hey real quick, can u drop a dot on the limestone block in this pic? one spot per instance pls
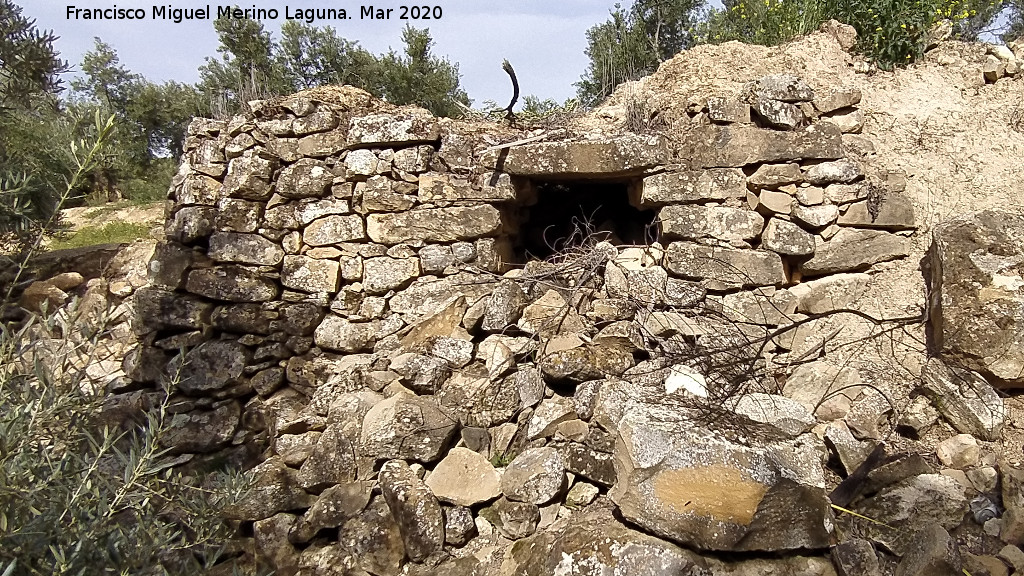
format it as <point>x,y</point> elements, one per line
<point>783,87</point>
<point>434,224</point>
<point>977,265</point>
<point>739,145</point>
<point>231,283</point>
<point>310,274</point>
<point>692,222</point>
<point>788,239</point>
<point>725,268</point>
<point>775,175</point>
<point>836,98</point>
<point>244,249</point>
<point>853,249</point>
<point>682,186</point>
<point>411,127</point>
<point>305,178</point>
<point>334,229</point>
<point>621,156</point>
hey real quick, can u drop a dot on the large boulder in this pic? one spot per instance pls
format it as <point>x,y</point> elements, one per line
<point>408,427</point>
<point>684,481</point>
<point>977,294</point>
<point>597,544</point>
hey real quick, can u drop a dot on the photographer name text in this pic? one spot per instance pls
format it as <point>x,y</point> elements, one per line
<point>170,13</point>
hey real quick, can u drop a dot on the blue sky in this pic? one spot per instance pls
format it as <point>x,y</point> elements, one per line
<point>544,39</point>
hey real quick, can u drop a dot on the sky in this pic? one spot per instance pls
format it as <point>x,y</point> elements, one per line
<point>543,39</point>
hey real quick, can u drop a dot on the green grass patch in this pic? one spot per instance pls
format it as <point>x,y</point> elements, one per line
<point>106,234</point>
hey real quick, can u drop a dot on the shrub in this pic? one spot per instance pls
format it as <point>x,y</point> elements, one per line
<point>891,32</point>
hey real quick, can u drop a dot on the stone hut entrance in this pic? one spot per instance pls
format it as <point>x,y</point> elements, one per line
<point>572,213</point>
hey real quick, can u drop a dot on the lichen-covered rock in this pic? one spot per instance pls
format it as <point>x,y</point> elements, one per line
<point>504,306</point>
<point>372,541</point>
<point>918,501</point>
<point>212,366</point>
<point>310,274</point>
<point>274,489</point>
<point>777,114</point>
<point>775,175</point>
<point>421,374</point>
<point>694,222</point>
<point>597,544</point>
<point>549,315</point>
<point>738,145</point>
<point>234,215</point>
<point>536,476</point>
<point>414,508</point>
<point>333,461</point>
<point>334,229</point>
<point>249,176</point>
<point>787,238</point>
<point>465,478</point>
<point>337,333</point>
<point>231,283</point>
<point>385,273</point>
<point>836,172</point>
<point>785,415</point>
<point>783,87</point>
<point>976,265</point>
<point>244,249</point>
<point>619,156</point>
<point>697,487</point>
<point>836,98</point>
<point>202,430</point>
<point>830,293</point>
<point>191,224</point>
<point>414,126</point>
<point>476,400</point>
<point>816,217</point>
<point>407,427</point>
<point>157,309</point>
<point>965,399</point>
<point>332,508</point>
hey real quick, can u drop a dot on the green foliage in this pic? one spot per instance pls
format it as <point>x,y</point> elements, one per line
<point>119,232</point>
<point>310,56</point>
<point>254,66</point>
<point>83,489</point>
<point>892,32</point>
<point>151,120</point>
<point>419,77</point>
<point>633,42</point>
<point>33,133</point>
<point>29,65</point>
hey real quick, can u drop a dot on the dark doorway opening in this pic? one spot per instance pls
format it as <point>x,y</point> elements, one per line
<point>571,214</point>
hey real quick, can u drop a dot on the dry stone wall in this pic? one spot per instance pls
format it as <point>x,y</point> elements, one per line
<point>343,302</point>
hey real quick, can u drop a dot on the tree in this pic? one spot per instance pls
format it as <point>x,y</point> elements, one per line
<point>247,68</point>
<point>151,123</point>
<point>632,43</point>
<point>419,77</point>
<point>33,135</point>
<point>310,56</point>
<point>29,65</point>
